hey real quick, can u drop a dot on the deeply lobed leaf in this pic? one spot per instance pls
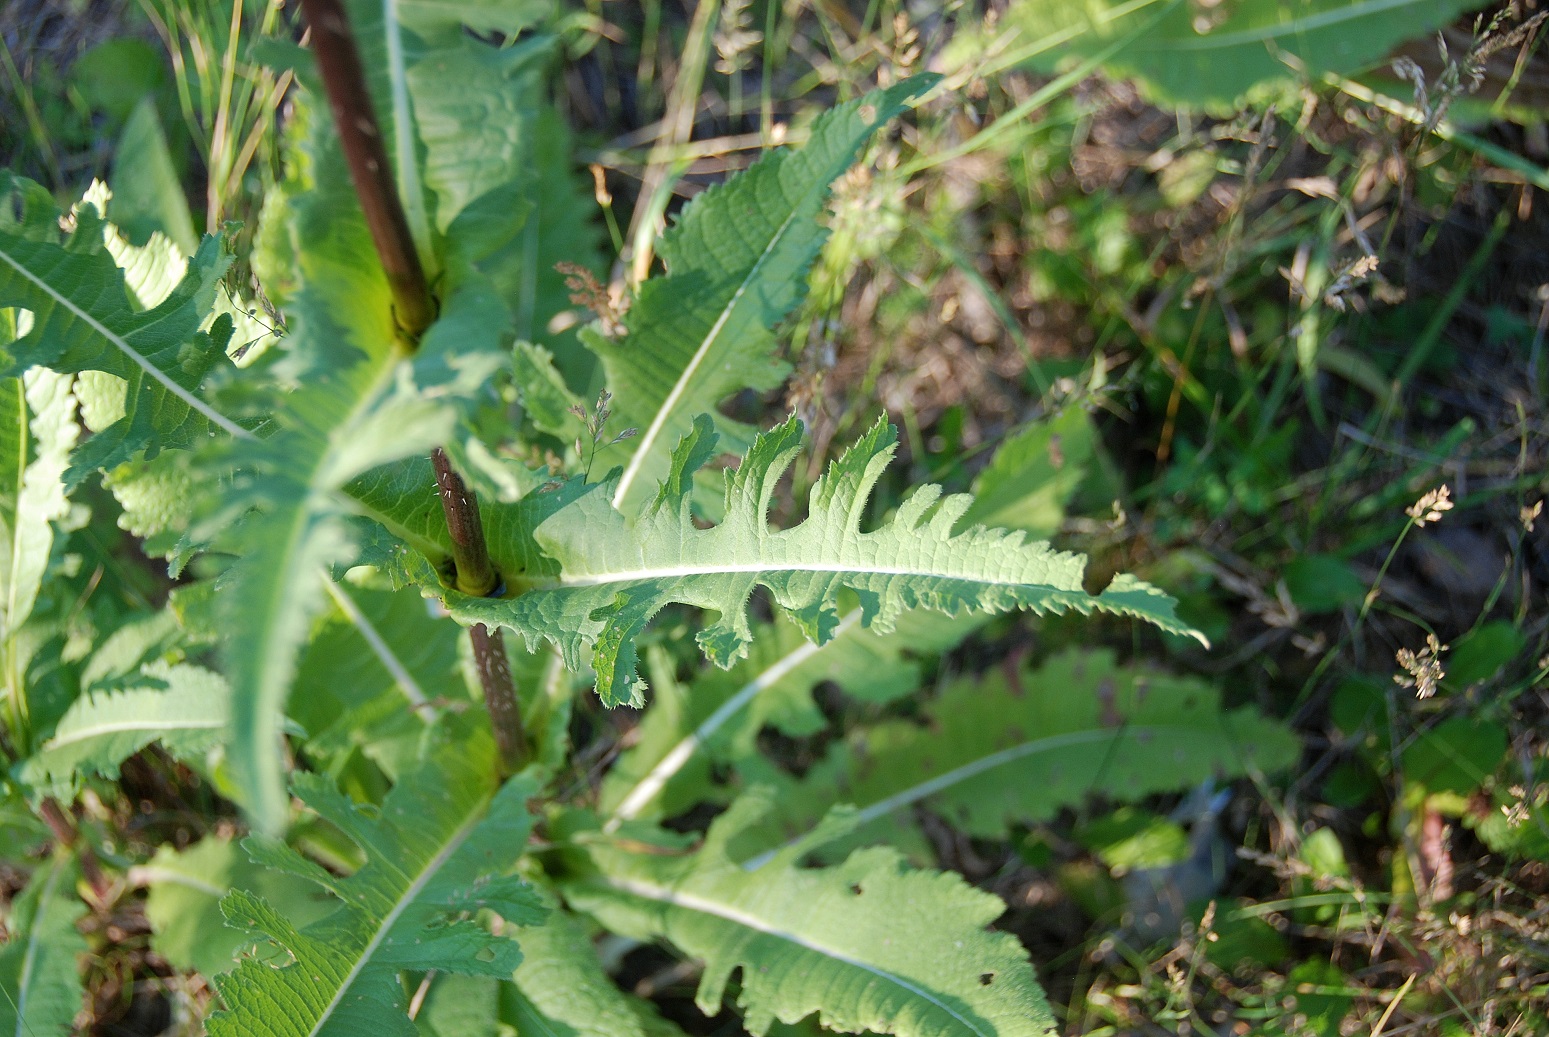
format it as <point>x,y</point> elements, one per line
<point>1019,746</point>
<point>37,432</point>
<point>437,853</point>
<point>353,399</point>
<point>83,320</point>
<point>617,572</point>
<point>718,717</point>
<point>869,945</point>
<point>561,988</point>
<point>736,261</point>
<point>185,708</point>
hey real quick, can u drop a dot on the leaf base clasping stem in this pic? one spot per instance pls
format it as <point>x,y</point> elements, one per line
<point>477,578</point>
<point>360,136</point>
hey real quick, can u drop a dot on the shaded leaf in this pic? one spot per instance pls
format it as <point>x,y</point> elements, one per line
<point>996,750</point>
<point>40,977</point>
<point>1211,57</point>
<point>869,945</point>
<point>186,709</point>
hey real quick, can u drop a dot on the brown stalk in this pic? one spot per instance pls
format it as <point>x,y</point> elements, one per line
<point>68,835</point>
<point>344,79</point>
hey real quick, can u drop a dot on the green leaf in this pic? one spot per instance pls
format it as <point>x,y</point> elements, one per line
<point>437,853</point>
<point>459,1006</point>
<point>736,261</point>
<point>544,394</point>
<point>147,191</point>
<point>1516,824</point>
<point>1457,755</point>
<point>37,431</point>
<point>870,945</point>
<point>154,496</point>
<point>377,668</point>
<point>1324,994</point>
<point>617,572</point>
<point>562,228</point>
<point>83,321</point>
<point>1484,652</point>
<point>455,114</point>
<point>1211,57</point>
<point>718,718</point>
<point>1322,583</point>
<point>153,270</point>
<point>349,405</point>
<point>40,979</point>
<point>402,499</point>
<point>475,106</point>
<point>348,400</point>
<point>24,832</point>
<point>116,73</point>
<point>1033,475</point>
<point>183,903</point>
<point>508,17</point>
<point>994,750</point>
<point>185,708</point>
<point>1128,839</point>
<point>561,989</point>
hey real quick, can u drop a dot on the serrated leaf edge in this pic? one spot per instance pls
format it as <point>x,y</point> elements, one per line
<point>676,898</point>
<point>135,356</point>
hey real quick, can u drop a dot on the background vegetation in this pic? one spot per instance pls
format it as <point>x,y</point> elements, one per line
<point>1238,333</point>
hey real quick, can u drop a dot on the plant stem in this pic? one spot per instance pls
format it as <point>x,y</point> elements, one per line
<point>505,713</point>
<point>475,575</point>
<point>360,134</point>
<point>67,835</point>
<point>372,173</point>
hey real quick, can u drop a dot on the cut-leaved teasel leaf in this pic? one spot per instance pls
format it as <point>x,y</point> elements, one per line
<point>870,944</point>
<point>1020,745</point>
<point>618,571</point>
<point>437,853</point>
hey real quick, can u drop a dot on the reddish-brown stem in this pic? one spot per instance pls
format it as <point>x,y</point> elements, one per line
<point>475,575</point>
<point>360,134</point>
<point>361,137</point>
<point>505,713</point>
<point>66,834</point>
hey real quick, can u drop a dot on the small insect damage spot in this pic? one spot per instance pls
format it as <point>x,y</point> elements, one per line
<point>1107,695</point>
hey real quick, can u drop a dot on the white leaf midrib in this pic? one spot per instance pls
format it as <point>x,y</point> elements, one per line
<point>122,345</point>
<point>402,904</point>
<point>30,958</point>
<point>647,788</point>
<point>680,387</point>
<point>124,726</point>
<point>980,765</point>
<point>675,572</point>
<point>692,902</point>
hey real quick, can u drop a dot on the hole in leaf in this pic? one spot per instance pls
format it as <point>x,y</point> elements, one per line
<point>986,978</point>
<point>855,887</point>
<point>695,819</point>
<point>1095,581</point>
